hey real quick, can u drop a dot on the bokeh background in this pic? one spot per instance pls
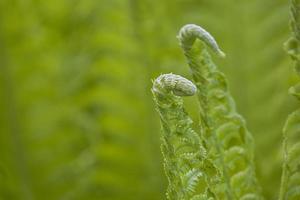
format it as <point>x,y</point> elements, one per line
<point>77,120</point>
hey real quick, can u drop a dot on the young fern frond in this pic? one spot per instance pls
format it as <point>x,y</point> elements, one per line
<point>290,180</point>
<point>190,173</point>
<point>229,142</point>
<point>190,32</point>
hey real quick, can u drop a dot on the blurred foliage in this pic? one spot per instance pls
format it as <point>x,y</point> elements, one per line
<point>77,120</point>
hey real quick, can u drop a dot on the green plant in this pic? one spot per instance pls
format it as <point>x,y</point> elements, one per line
<point>77,120</point>
<point>190,172</point>
<point>226,140</point>
<point>223,138</point>
<point>290,181</point>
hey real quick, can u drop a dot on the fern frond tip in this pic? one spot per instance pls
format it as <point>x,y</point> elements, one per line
<point>190,32</point>
<point>179,85</point>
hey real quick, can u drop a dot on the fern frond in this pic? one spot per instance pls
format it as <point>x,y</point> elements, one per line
<point>290,180</point>
<point>225,130</point>
<point>290,176</point>
<point>185,160</point>
<point>190,32</point>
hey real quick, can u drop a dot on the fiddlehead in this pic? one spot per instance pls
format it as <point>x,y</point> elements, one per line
<point>228,141</point>
<point>190,32</point>
<point>187,167</point>
<point>167,83</point>
<point>290,180</point>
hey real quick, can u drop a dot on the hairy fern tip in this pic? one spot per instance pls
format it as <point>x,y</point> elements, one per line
<point>190,32</point>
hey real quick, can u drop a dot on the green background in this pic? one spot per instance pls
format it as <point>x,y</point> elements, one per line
<point>77,120</point>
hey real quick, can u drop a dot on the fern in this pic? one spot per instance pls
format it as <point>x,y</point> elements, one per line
<point>76,116</point>
<point>290,182</point>
<point>189,171</point>
<point>230,143</point>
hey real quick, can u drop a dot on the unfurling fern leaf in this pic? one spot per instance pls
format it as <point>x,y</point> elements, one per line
<point>189,171</point>
<point>229,143</point>
<point>290,181</point>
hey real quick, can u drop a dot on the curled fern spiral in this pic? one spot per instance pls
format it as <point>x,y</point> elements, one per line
<point>190,32</point>
<point>180,86</point>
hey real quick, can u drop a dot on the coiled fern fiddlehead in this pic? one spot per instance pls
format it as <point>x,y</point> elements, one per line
<point>227,139</point>
<point>187,168</point>
<point>290,180</point>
